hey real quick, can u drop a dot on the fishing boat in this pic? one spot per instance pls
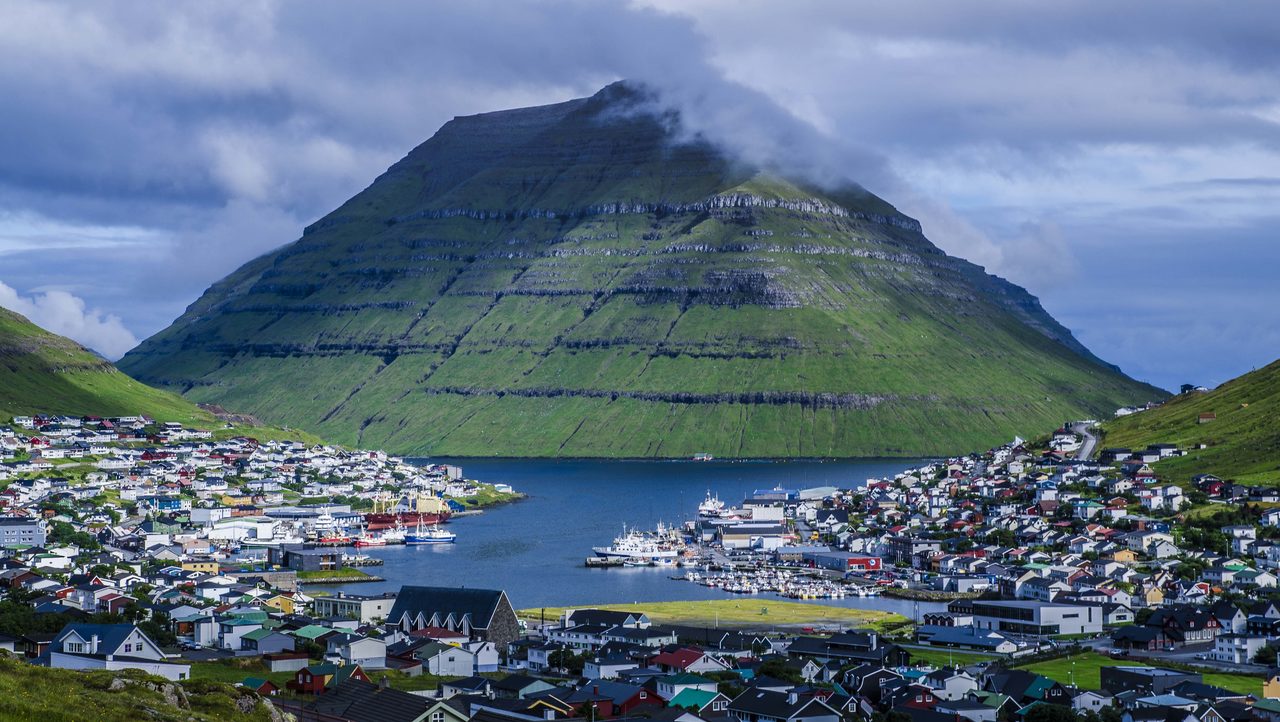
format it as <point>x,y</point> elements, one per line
<point>432,535</point>
<point>366,539</point>
<point>711,506</point>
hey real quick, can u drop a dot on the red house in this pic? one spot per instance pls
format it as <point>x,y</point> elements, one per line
<point>317,678</point>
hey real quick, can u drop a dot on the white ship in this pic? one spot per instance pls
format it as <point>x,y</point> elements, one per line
<point>711,506</point>
<point>634,545</point>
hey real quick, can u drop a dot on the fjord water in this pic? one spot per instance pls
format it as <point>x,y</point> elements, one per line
<point>534,549</point>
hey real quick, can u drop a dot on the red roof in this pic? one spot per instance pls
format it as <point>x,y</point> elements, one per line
<point>679,659</point>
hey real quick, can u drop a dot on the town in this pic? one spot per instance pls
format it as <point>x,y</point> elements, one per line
<point>1052,583</point>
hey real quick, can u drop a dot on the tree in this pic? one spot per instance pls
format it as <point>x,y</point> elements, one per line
<point>1266,655</point>
<point>1051,713</point>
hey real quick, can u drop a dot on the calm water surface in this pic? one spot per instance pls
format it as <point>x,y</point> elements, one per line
<point>534,548</point>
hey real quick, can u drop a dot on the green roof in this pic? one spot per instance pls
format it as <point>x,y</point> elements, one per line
<point>1038,687</point>
<point>256,634</point>
<point>992,699</point>
<point>311,631</point>
<point>696,698</point>
<point>1267,705</point>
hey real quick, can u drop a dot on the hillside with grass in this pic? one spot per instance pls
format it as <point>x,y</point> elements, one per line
<point>1242,440</point>
<point>44,373</point>
<point>41,372</point>
<point>28,692</point>
<point>581,279</point>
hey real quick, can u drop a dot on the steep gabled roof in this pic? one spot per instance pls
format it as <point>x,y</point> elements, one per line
<point>476,605</point>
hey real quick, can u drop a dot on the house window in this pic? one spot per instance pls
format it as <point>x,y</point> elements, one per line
<point>919,698</point>
<point>437,717</point>
<point>644,695</point>
<point>73,647</point>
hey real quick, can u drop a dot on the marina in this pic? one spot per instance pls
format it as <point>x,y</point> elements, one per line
<point>543,564</point>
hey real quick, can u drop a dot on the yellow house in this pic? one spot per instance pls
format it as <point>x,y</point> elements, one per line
<point>1271,687</point>
<point>236,500</point>
<point>204,567</point>
<point>1124,556</point>
<point>283,602</point>
<point>1153,597</point>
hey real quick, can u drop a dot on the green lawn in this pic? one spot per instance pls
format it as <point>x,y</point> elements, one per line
<point>1087,673</point>
<point>754,613</point>
<point>944,658</point>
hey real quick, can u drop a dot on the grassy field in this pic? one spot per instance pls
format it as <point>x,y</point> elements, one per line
<point>943,658</point>
<point>1087,673</point>
<point>744,613</point>
<point>488,496</point>
<point>28,692</point>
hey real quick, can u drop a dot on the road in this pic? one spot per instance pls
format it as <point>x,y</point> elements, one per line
<point>1090,441</point>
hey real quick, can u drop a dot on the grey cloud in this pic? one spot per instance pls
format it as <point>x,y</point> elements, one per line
<point>219,131</point>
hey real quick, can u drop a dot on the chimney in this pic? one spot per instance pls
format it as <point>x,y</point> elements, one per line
<point>549,714</point>
<point>792,697</point>
<point>384,683</point>
<point>93,644</point>
<point>595,690</point>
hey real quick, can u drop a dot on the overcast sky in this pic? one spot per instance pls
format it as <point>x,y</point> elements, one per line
<point>1120,160</point>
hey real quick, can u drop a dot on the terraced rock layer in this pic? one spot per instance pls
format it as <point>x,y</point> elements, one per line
<point>571,280</point>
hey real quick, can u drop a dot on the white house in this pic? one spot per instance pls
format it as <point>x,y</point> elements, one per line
<point>110,646</point>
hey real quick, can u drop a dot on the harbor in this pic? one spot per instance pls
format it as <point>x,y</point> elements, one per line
<point>504,544</point>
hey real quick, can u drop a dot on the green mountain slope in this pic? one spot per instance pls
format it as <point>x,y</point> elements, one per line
<point>43,372</point>
<point>1243,441</point>
<point>570,280</point>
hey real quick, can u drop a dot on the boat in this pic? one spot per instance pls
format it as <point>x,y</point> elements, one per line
<point>369,540</point>
<point>711,506</point>
<point>635,545</point>
<point>703,456</point>
<point>432,535</point>
<point>423,509</point>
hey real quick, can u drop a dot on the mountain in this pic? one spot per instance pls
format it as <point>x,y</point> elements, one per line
<point>1243,439</point>
<point>43,372</point>
<point>576,280</point>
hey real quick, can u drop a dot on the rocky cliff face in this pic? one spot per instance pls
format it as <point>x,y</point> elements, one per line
<point>569,280</point>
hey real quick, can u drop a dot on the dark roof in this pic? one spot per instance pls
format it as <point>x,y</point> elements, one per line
<point>514,682</point>
<point>767,703</point>
<point>111,636</point>
<point>605,617</point>
<point>477,604</point>
<point>357,700</point>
